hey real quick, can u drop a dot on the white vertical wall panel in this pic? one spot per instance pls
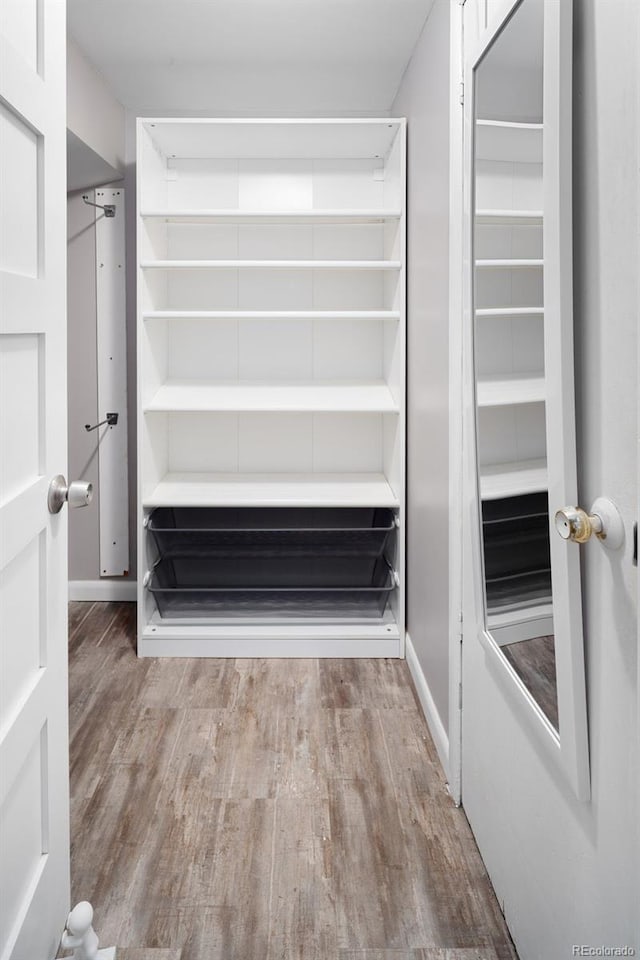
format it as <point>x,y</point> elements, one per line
<point>112,386</point>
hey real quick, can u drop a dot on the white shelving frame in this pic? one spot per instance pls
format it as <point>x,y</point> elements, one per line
<point>271,345</point>
<point>509,313</point>
<point>509,331</point>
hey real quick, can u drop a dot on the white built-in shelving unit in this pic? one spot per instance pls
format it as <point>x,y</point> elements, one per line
<point>271,349</point>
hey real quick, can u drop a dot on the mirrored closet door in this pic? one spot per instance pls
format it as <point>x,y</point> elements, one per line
<point>520,356</point>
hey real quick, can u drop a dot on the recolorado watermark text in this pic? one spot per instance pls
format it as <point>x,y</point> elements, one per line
<point>586,950</point>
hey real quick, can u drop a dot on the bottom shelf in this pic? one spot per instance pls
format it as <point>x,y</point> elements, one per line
<point>272,489</point>
<point>287,638</point>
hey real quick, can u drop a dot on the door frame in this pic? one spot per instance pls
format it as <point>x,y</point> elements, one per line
<point>456,382</point>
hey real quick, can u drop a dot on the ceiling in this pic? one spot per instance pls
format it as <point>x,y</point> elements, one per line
<point>250,57</point>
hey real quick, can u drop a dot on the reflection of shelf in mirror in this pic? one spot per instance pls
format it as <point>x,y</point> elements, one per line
<point>357,396</point>
<point>509,312</point>
<point>509,217</point>
<point>498,480</point>
<point>510,389</point>
<point>509,264</point>
<point>534,618</point>
<point>271,216</point>
<point>271,315</point>
<point>510,142</point>
<point>270,264</point>
<point>272,490</point>
<point>518,590</point>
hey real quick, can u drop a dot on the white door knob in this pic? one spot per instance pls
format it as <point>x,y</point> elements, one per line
<point>76,494</point>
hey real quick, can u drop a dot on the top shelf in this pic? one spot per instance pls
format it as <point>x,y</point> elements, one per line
<point>272,216</point>
<point>271,137</point>
<point>509,142</point>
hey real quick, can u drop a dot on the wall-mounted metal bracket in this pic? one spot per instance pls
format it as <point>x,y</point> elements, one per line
<point>109,208</point>
<point>111,419</point>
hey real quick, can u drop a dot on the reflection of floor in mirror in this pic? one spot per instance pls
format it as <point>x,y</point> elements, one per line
<point>535,663</point>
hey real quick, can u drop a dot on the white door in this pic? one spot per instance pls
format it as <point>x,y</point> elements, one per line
<point>34,856</point>
<point>563,860</point>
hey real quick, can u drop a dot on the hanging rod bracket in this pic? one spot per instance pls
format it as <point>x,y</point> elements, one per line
<point>111,419</point>
<point>109,208</point>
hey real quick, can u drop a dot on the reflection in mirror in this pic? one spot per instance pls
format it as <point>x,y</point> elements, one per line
<point>509,352</point>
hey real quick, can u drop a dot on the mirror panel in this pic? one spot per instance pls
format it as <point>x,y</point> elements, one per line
<point>509,353</point>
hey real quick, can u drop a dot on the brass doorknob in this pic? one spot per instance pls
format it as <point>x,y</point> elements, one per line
<point>575,524</point>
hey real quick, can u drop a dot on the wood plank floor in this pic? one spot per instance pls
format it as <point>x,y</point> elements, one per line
<point>264,809</point>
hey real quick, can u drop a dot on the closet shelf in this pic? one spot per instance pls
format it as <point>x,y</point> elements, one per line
<point>510,390</point>
<point>509,217</point>
<point>509,264</point>
<point>272,490</point>
<point>272,216</point>
<point>271,315</point>
<point>270,264</point>
<point>249,397</point>
<point>509,142</point>
<point>509,312</point>
<point>499,480</point>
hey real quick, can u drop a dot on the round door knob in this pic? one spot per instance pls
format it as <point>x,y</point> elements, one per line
<point>574,523</point>
<point>604,520</point>
<point>76,494</point>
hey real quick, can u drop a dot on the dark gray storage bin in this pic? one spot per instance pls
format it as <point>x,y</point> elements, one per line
<point>254,592</point>
<point>271,532</point>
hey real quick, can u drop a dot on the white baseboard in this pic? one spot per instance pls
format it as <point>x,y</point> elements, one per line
<point>102,590</point>
<point>432,716</point>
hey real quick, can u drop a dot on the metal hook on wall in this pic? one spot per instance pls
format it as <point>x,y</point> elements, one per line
<point>111,419</point>
<point>109,208</point>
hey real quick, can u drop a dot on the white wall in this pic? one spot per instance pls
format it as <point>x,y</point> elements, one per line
<point>93,113</point>
<point>423,98</point>
<point>98,120</point>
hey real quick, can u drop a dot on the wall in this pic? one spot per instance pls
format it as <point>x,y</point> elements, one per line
<point>423,97</point>
<point>98,120</point>
<point>93,113</point>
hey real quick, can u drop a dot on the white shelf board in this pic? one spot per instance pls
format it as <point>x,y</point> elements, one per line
<point>272,216</point>
<point>510,389</point>
<point>272,490</point>
<point>275,138</point>
<point>247,396</point>
<point>509,142</point>
<point>348,639</point>
<point>271,315</point>
<point>499,480</point>
<point>509,264</point>
<point>270,264</point>
<point>509,217</point>
<point>508,618</point>
<point>509,312</point>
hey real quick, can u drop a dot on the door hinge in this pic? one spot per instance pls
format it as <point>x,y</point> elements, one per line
<point>461,88</point>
